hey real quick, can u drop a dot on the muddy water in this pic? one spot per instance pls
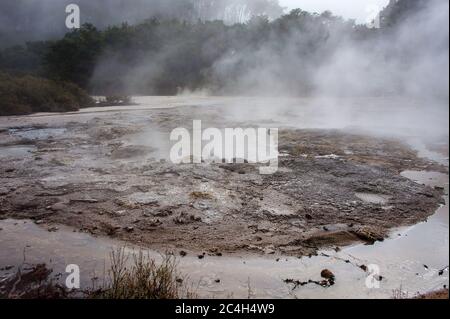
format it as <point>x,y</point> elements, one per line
<point>17,151</point>
<point>414,260</point>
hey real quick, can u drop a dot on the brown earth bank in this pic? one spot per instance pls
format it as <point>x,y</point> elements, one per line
<point>441,294</point>
<point>109,175</point>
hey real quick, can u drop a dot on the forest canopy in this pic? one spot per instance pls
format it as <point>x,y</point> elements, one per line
<point>298,53</point>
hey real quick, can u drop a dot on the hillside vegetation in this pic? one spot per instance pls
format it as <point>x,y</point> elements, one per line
<point>27,94</point>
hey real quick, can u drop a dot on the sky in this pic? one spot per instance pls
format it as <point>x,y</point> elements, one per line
<point>359,10</point>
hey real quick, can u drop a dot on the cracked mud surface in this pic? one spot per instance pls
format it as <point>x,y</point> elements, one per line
<point>108,174</point>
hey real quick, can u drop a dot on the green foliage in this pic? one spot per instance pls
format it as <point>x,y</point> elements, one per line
<point>27,94</point>
<point>164,56</point>
<point>398,11</point>
<point>24,59</point>
<point>73,58</point>
<point>170,55</point>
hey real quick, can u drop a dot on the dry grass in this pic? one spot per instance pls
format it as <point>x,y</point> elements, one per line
<point>400,293</point>
<point>144,279</point>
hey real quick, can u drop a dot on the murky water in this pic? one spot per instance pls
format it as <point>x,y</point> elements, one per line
<point>16,151</point>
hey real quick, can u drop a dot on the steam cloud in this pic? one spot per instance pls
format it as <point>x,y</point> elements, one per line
<point>408,60</point>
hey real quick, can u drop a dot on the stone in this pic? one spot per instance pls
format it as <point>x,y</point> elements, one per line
<point>327,274</point>
<point>129,229</point>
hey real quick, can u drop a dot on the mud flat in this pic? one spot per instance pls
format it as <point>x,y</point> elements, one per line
<point>106,173</point>
<point>413,261</point>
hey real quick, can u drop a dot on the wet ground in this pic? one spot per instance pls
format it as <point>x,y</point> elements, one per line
<point>104,172</point>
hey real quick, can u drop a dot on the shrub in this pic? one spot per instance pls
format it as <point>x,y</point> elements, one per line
<point>21,95</point>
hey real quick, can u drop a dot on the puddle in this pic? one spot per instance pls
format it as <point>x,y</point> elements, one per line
<point>424,152</point>
<point>16,151</point>
<point>373,198</point>
<point>37,133</point>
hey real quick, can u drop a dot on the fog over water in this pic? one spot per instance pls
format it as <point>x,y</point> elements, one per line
<point>321,57</point>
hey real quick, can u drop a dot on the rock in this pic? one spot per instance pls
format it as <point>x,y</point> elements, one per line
<point>195,218</point>
<point>327,274</point>
<point>129,229</point>
<point>143,199</point>
<point>201,256</point>
<point>39,222</point>
<point>426,194</point>
<point>120,213</point>
<point>269,251</point>
<point>180,219</point>
<point>379,278</point>
<point>183,253</point>
<point>163,213</point>
<point>154,223</point>
<point>368,234</point>
<point>25,203</point>
<point>217,281</point>
<point>53,229</point>
<point>308,217</point>
<point>202,206</point>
